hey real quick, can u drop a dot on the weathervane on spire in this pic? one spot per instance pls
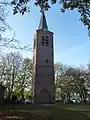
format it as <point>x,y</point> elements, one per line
<point>43,4</point>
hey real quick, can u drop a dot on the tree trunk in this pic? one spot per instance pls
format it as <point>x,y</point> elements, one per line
<point>8,95</point>
<point>13,78</point>
<point>22,94</point>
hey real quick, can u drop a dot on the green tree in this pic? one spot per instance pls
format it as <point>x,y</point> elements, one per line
<point>24,79</point>
<point>10,65</point>
<point>60,80</point>
<point>79,77</point>
<point>3,70</point>
<point>71,81</point>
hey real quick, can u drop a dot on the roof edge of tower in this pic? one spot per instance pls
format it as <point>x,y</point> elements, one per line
<point>44,30</point>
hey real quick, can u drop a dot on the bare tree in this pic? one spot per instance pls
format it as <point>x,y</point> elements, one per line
<point>11,42</point>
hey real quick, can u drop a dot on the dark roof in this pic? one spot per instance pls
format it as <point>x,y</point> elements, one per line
<point>43,23</point>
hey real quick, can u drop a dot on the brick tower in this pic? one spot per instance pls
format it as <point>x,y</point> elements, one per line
<point>43,64</point>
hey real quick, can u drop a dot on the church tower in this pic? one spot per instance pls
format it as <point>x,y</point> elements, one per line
<point>43,64</point>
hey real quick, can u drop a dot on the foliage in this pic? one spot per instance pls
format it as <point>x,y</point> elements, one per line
<point>27,94</point>
<point>71,83</point>
<point>24,78</point>
<point>10,65</point>
<point>82,6</point>
<point>16,74</point>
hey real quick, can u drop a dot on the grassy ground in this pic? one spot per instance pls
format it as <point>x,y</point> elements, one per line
<point>51,112</point>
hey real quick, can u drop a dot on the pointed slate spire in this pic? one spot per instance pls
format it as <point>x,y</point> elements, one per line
<point>43,23</point>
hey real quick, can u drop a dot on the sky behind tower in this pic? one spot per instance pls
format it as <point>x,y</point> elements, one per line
<point>71,40</point>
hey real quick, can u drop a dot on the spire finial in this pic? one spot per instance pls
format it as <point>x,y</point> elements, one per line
<point>43,23</point>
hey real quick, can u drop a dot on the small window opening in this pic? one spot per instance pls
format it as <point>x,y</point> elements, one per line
<point>46,37</point>
<point>47,42</point>
<point>43,40</point>
<point>47,61</point>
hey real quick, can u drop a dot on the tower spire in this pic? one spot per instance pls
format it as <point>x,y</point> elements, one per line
<point>43,23</point>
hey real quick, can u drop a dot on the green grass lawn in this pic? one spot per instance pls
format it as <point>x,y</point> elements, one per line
<point>52,112</point>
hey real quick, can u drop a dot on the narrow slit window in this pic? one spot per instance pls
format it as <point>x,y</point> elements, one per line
<point>47,61</point>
